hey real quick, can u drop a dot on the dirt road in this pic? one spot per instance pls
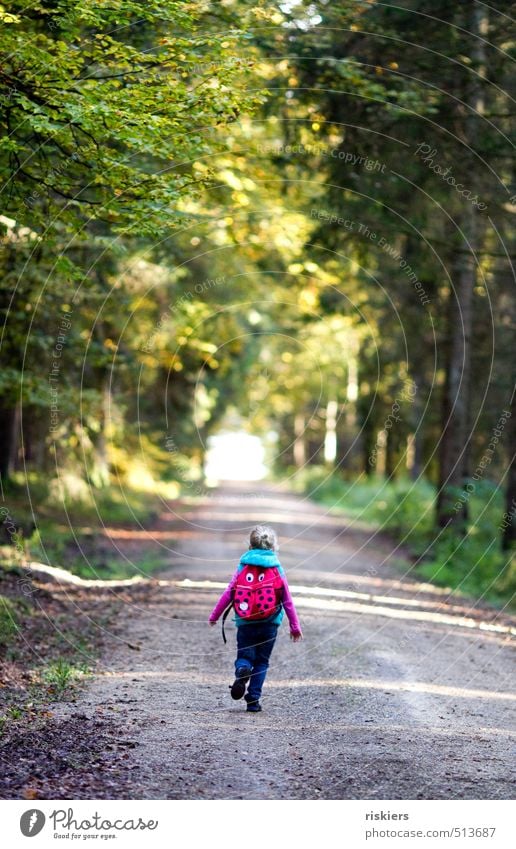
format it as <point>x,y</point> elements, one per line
<point>395,692</point>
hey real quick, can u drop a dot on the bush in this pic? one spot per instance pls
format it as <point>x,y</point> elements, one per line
<point>472,563</point>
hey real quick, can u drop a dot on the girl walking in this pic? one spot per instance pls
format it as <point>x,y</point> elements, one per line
<point>259,593</point>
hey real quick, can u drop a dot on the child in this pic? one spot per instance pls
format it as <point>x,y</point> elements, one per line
<point>258,586</point>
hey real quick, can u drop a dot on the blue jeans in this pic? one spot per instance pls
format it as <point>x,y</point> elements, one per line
<point>255,643</point>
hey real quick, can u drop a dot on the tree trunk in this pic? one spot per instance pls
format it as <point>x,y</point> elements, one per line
<point>367,446</point>
<point>100,472</point>
<point>330,435</point>
<point>390,455</point>
<point>452,500</point>
<point>508,525</point>
<point>299,448</point>
<point>349,438</point>
<point>452,509</point>
<point>9,422</point>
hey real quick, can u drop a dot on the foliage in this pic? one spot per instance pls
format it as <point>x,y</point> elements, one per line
<point>8,620</point>
<point>196,224</point>
<point>105,110</point>
<point>471,564</point>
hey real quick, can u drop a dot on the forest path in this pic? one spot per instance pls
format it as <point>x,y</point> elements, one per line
<point>396,690</point>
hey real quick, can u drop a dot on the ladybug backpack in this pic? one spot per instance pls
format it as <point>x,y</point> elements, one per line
<point>257,595</point>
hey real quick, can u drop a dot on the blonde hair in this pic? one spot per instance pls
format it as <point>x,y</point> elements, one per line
<point>263,536</point>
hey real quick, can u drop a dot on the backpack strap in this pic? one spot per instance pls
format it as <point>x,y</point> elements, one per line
<point>224,617</point>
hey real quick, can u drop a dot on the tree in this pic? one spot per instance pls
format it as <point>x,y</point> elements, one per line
<point>105,112</point>
<point>371,87</point>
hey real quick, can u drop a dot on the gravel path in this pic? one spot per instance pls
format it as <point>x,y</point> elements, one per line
<point>396,692</point>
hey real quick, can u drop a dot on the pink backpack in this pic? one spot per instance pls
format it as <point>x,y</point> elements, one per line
<point>257,595</point>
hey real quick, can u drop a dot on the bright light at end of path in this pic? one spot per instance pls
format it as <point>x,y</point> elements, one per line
<point>234,456</point>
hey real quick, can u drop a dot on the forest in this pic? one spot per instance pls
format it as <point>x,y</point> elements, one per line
<point>294,218</point>
<point>308,222</point>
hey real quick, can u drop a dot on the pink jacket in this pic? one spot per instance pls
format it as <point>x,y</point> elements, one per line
<point>287,602</point>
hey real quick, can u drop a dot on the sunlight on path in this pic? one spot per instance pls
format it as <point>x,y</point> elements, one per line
<point>384,684</point>
<point>373,609</point>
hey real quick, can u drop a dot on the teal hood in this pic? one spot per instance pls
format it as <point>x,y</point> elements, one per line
<point>260,557</point>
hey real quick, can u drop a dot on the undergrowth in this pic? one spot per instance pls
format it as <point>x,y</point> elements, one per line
<point>472,564</point>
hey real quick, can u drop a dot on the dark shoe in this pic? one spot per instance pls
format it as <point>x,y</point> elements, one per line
<point>254,707</point>
<point>242,675</point>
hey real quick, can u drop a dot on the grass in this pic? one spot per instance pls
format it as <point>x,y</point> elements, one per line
<point>118,568</point>
<point>60,675</point>
<point>48,646</point>
<point>8,621</point>
<point>60,547</point>
<point>51,683</point>
<point>67,534</point>
<point>472,564</point>
<point>83,505</point>
<point>45,645</point>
